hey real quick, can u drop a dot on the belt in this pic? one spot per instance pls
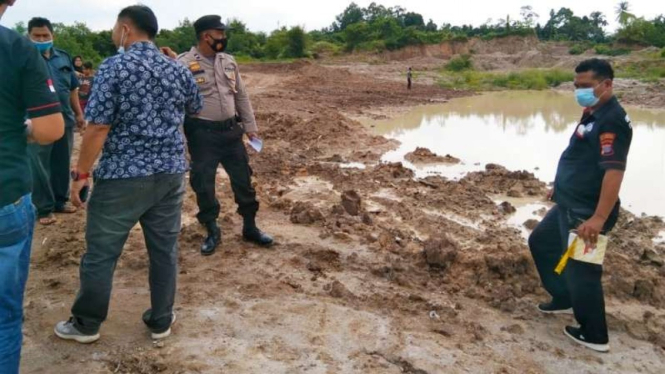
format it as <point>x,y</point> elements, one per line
<point>212,125</point>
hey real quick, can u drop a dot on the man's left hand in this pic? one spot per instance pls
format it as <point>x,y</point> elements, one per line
<point>75,196</point>
<point>252,135</point>
<point>80,122</point>
<point>589,230</point>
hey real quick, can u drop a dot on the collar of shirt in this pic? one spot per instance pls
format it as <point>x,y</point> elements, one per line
<point>142,46</point>
<point>199,56</point>
<point>53,54</point>
<point>600,112</point>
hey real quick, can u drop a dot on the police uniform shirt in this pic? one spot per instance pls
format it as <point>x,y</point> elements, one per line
<point>25,90</point>
<point>601,142</point>
<point>64,78</point>
<point>221,85</point>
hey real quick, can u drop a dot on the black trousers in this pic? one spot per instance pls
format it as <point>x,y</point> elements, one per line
<point>50,166</point>
<point>211,144</point>
<point>579,286</point>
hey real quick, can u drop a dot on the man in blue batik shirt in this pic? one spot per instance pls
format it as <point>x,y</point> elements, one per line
<point>137,105</point>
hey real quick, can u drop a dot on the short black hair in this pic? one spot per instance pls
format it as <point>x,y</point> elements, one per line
<point>602,69</point>
<point>87,65</point>
<point>79,57</point>
<point>142,17</point>
<point>40,22</point>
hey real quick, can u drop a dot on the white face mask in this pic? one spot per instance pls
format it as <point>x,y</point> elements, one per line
<point>121,49</point>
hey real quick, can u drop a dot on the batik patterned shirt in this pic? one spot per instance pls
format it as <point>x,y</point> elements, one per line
<point>143,96</point>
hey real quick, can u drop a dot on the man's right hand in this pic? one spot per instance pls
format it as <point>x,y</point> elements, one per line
<point>550,194</point>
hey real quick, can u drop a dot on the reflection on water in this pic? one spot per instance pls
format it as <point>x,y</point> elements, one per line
<point>525,130</point>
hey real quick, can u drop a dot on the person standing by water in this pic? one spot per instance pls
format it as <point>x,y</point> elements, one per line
<point>215,136</point>
<point>409,78</point>
<point>586,192</point>
<point>26,90</point>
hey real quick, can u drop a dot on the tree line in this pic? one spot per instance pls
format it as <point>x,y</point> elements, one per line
<point>377,28</point>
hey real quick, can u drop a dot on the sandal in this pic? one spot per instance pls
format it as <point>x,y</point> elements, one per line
<point>48,220</point>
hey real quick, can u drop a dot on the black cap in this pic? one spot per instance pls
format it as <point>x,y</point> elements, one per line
<point>211,22</point>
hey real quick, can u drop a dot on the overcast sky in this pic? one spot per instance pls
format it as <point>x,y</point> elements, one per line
<point>266,15</point>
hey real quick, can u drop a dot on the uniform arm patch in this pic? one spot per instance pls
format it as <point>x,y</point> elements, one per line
<point>607,144</point>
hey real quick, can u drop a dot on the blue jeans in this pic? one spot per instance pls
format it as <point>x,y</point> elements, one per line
<point>17,222</point>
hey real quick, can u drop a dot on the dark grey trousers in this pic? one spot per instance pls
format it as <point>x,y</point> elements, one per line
<point>114,209</point>
<point>50,166</point>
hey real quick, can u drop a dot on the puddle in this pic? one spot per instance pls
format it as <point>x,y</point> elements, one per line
<point>525,212</point>
<point>353,165</point>
<point>524,131</point>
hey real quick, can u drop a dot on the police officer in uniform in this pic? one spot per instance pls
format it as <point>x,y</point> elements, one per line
<point>586,192</point>
<point>215,135</point>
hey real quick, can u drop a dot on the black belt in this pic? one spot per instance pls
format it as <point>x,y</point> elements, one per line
<point>225,125</point>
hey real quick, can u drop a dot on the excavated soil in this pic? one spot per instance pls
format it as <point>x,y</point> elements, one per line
<point>374,271</point>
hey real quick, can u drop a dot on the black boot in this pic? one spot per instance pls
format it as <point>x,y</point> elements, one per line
<point>252,234</point>
<point>212,241</point>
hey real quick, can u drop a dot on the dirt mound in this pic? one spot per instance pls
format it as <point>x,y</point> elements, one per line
<point>352,202</point>
<point>498,180</point>
<point>425,156</point>
<point>440,253</point>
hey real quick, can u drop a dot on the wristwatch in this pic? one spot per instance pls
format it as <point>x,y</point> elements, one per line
<point>76,176</point>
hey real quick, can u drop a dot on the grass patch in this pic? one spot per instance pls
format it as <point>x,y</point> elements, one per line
<point>460,63</point>
<point>532,79</point>
<point>606,50</point>
<point>579,48</point>
<point>646,71</point>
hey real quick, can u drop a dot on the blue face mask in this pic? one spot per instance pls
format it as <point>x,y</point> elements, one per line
<point>586,96</point>
<point>43,46</point>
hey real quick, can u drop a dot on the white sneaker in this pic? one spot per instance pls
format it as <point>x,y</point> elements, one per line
<point>66,330</point>
<point>165,334</point>
<point>576,335</point>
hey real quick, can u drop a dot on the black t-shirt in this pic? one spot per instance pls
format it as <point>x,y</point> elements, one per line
<point>601,142</point>
<point>26,91</point>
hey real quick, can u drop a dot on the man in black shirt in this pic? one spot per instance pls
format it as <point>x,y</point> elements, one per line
<point>25,90</point>
<point>586,192</point>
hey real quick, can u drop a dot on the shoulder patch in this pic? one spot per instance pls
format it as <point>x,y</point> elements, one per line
<point>607,143</point>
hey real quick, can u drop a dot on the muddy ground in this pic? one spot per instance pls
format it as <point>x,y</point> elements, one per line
<point>374,271</point>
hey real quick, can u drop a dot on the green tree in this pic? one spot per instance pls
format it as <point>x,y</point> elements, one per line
<point>529,17</point>
<point>76,40</point>
<point>356,34</point>
<point>180,39</point>
<point>351,15</point>
<point>624,17</point>
<point>415,20</point>
<point>20,28</point>
<point>296,40</point>
<point>276,43</point>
